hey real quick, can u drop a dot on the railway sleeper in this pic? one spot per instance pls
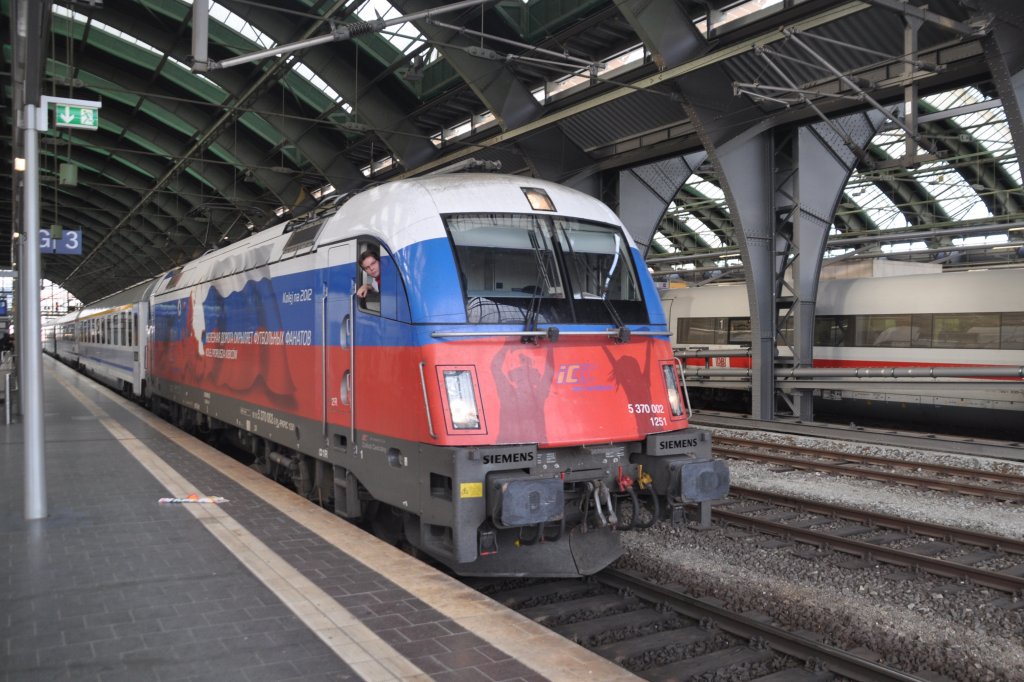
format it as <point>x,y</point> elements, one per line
<point>849,531</point>
<point>580,609</point>
<point>545,593</point>
<point>620,626</point>
<point>660,647</point>
<point>721,661</point>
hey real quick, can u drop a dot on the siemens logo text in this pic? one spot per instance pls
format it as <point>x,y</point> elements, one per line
<point>678,443</point>
<point>509,458</point>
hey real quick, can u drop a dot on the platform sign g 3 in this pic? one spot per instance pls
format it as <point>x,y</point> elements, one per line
<point>68,244</point>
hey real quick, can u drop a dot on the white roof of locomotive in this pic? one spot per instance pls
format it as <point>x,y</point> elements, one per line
<point>407,211</point>
<point>400,214</point>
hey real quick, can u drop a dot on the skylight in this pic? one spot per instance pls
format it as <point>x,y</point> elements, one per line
<point>981,239</point>
<point>876,204</point>
<point>987,127</point>
<point>238,25</point>
<point>404,37</point>
<point>685,215</point>
<point>243,28</point>
<point>665,243</point>
<point>61,11</point>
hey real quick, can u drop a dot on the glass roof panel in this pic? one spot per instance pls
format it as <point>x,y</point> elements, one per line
<point>876,204</point>
<point>404,37</point>
<point>707,189</point>
<point>981,239</point>
<point>903,247</point>
<point>988,127</point>
<point>664,242</point>
<point>261,40</point>
<point>958,199</point>
<point>81,20</point>
<point>742,10</point>
<point>702,232</point>
<point>239,25</point>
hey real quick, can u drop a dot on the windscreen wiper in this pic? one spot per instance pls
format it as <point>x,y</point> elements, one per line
<point>624,332</point>
<point>540,286</point>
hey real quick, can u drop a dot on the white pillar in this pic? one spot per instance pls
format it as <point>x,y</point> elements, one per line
<point>30,347</point>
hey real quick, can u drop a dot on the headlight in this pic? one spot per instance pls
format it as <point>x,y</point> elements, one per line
<point>674,402</point>
<point>461,399</point>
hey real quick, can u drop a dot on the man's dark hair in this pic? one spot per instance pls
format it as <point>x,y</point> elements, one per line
<point>366,254</point>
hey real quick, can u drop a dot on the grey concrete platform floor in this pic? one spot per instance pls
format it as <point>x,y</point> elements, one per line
<point>113,585</point>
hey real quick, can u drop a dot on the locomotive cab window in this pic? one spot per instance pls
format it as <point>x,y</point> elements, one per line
<point>522,269</point>
<point>385,293</point>
<point>369,276</point>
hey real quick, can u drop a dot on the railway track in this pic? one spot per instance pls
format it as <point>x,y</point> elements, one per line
<point>1007,487</point>
<point>895,437</point>
<point>979,558</point>
<point>660,633</point>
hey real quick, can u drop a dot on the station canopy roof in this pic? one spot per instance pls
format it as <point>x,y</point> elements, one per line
<point>191,153</point>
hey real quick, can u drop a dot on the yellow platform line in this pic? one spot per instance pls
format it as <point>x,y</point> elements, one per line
<point>533,645</point>
<point>355,644</point>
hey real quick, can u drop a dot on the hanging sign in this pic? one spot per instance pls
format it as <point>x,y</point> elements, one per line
<point>69,243</point>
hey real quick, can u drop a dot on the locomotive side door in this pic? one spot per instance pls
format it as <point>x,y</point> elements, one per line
<point>338,347</point>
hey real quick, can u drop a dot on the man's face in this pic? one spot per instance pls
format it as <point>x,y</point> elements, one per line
<point>371,266</point>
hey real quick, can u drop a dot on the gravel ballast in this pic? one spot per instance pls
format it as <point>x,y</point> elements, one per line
<point>914,622</point>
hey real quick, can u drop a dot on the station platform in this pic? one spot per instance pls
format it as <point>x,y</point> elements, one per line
<point>115,585</point>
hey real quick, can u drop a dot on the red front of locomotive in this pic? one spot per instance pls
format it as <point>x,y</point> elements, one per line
<point>572,391</point>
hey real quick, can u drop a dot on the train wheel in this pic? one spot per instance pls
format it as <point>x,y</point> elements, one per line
<point>260,462</point>
<point>303,476</point>
<point>385,522</point>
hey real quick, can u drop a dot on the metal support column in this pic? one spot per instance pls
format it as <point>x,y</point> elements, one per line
<point>812,172</point>
<point>646,191</point>
<point>745,164</point>
<point>1004,52</point>
<point>30,347</point>
<point>911,25</point>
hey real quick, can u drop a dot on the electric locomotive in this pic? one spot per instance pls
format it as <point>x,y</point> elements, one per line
<point>505,384</point>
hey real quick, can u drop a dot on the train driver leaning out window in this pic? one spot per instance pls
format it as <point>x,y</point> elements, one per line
<point>369,262</point>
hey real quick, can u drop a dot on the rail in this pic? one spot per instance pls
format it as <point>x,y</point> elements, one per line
<point>836,660</point>
<point>552,333</point>
<point>948,568</point>
<point>710,353</point>
<point>984,490</point>
<point>913,373</point>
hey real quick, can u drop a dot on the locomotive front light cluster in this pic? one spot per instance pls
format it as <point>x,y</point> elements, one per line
<point>461,399</point>
<point>674,401</point>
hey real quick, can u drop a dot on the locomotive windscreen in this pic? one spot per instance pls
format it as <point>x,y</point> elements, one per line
<point>559,270</point>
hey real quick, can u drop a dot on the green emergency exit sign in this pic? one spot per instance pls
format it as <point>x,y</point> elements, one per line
<point>70,116</point>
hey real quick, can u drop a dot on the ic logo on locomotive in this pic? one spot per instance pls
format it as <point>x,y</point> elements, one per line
<point>573,374</point>
<point>580,377</point>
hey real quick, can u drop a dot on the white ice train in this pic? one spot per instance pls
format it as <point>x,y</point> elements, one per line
<point>955,319</point>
